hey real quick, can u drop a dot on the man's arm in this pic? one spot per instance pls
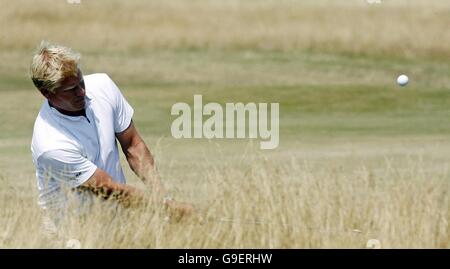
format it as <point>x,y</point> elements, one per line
<point>102,185</point>
<point>140,159</point>
<point>142,163</point>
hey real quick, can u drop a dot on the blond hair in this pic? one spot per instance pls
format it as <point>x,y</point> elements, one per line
<point>52,64</point>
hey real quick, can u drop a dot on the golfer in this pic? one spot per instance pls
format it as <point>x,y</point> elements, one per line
<point>74,144</point>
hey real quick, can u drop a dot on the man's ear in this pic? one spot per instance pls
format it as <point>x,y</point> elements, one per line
<point>46,93</point>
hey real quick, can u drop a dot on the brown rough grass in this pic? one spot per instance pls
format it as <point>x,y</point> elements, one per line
<point>394,28</point>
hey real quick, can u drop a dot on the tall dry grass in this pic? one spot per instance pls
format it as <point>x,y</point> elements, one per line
<point>264,203</point>
<point>394,28</point>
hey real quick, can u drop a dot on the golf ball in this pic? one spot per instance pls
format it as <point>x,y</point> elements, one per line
<point>402,80</point>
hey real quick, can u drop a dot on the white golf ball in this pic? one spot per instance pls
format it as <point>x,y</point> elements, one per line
<point>402,80</point>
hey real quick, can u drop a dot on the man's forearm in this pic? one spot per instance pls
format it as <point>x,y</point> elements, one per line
<point>143,165</point>
<point>102,185</point>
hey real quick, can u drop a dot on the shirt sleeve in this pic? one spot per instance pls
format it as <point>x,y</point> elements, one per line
<point>123,112</point>
<point>66,166</point>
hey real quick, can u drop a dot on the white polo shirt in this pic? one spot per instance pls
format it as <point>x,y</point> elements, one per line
<point>67,149</point>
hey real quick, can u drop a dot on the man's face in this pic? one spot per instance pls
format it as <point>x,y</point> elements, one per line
<point>70,95</point>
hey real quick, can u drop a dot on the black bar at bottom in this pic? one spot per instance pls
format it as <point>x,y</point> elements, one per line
<point>228,257</point>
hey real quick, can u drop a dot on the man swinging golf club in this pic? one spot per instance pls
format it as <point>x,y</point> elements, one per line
<point>74,138</point>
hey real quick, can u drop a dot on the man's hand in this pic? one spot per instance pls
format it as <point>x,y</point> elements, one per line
<point>179,211</point>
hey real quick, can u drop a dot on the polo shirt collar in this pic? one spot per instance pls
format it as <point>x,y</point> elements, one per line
<point>54,111</point>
